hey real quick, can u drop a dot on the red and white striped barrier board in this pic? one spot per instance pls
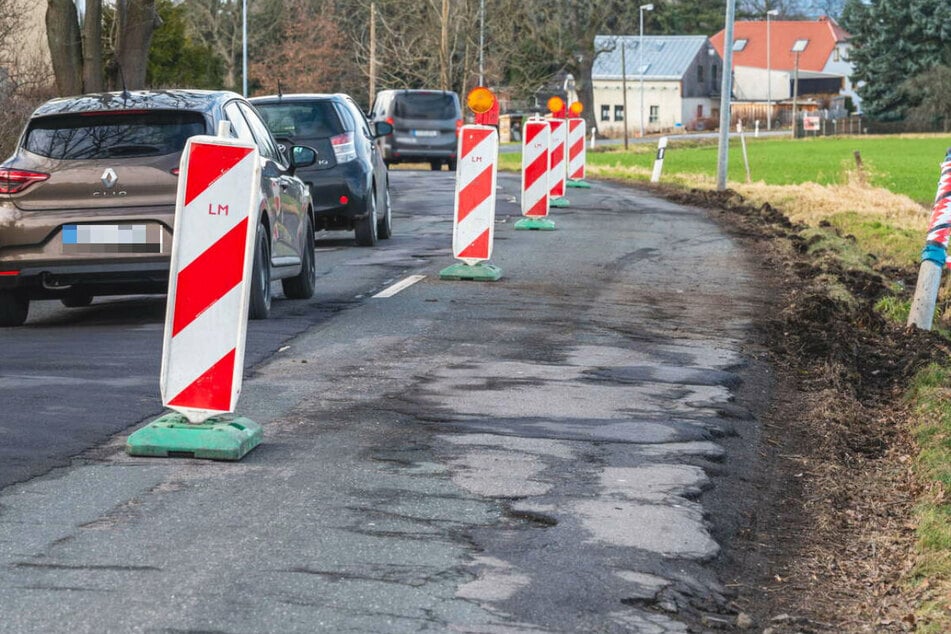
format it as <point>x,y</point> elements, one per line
<point>474,226</point>
<point>556,171</point>
<point>536,142</point>
<point>576,149</point>
<point>209,277</point>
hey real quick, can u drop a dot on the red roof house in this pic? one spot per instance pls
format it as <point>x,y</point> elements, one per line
<point>823,65</point>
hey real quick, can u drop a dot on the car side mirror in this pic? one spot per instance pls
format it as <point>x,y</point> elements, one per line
<point>303,156</point>
<point>382,128</point>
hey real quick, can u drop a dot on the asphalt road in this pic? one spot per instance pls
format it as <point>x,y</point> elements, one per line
<point>567,449</point>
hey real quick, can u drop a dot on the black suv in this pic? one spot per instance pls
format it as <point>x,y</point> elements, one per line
<point>349,182</point>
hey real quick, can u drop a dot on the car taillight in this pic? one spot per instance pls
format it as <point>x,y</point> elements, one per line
<point>15,181</point>
<point>458,125</point>
<point>175,171</point>
<point>344,149</point>
<point>390,120</point>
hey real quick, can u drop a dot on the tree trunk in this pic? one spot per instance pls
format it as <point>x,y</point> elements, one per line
<point>92,47</point>
<point>583,85</point>
<point>137,20</point>
<point>66,54</point>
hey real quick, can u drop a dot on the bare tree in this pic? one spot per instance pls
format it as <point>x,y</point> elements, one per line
<point>307,54</point>
<point>420,44</point>
<point>25,75</point>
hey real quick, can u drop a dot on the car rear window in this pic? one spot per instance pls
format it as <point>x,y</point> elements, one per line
<point>425,106</point>
<point>98,135</point>
<point>316,119</point>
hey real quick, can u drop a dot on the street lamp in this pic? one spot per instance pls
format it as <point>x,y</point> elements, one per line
<point>769,73</point>
<point>482,42</point>
<point>797,48</point>
<point>640,57</point>
<point>244,48</point>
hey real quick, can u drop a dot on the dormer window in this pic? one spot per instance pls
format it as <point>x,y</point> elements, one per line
<point>739,45</point>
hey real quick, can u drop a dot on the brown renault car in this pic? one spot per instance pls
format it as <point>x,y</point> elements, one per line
<point>87,200</point>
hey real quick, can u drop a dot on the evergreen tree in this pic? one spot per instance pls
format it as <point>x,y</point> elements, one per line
<point>891,43</point>
<point>177,61</point>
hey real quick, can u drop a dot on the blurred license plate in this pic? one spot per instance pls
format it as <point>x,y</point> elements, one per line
<point>145,238</point>
<point>425,133</point>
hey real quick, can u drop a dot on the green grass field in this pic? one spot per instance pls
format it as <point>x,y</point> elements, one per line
<point>907,165</point>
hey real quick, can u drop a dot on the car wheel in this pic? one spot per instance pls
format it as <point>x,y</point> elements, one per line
<point>365,231</point>
<point>302,286</point>
<point>76,300</point>
<point>384,228</point>
<point>260,303</point>
<point>435,165</point>
<point>452,165</point>
<point>14,307</point>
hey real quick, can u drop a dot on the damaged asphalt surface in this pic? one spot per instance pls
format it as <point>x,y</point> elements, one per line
<point>568,449</point>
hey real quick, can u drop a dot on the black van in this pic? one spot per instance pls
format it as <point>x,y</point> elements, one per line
<point>425,126</point>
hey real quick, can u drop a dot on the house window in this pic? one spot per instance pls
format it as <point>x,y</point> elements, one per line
<point>835,54</point>
<point>605,113</point>
<point>700,111</point>
<point>655,114</point>
<point>713,73</point>
<point>739,45</point>
<point>619,113</point>
<point>700,74</point>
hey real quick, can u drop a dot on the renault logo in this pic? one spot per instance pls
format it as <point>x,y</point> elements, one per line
<point>109,178</point>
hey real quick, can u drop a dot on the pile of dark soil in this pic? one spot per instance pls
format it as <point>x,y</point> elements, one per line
<point>832,531</point>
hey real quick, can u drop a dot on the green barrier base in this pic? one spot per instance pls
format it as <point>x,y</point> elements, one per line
<point>558,202</point>
<point>578,183</point>
<point>218,438</point>
<point>535,224</point>
<point>480,272</point>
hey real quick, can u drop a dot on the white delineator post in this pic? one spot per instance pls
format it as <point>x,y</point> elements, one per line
<point>208,295</point>
<point>473,227</point>
<point>934,257</point>
<point>659,160</point>
<point>536,162</point>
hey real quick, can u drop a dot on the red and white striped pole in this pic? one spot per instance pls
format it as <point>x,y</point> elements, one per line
<point>536,162</point>
<point>558,153</point>
<point>473,226</point>
<point>577,155</point>
<point>556,173</point>
<point>934,257</point>
<point>207,310</point>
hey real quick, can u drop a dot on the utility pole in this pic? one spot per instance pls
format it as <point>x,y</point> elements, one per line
<point>723,150</point>
<point>482,42</point>
<point>372,53</point>
<point>624,91</point>
<point>444,47</point>
<point>244,48</point>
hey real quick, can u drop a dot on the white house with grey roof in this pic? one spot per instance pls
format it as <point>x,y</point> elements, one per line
<point>681,79</point>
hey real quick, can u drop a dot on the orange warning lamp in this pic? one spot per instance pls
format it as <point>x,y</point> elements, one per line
<point>575,108</point>
<point>556,105</point>
<point>480,100</point>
